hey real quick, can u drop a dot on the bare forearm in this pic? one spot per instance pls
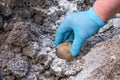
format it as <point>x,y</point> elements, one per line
<point>118,10</point>
<point>106,8</point>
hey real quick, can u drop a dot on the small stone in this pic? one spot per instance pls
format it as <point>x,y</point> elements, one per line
<point>63,51</point>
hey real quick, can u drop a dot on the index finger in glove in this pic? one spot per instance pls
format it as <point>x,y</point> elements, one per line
<point>60,33</point>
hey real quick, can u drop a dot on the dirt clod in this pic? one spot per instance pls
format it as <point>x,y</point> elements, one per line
<point>5,10</point>
<point>18,67</point>
<point>21,34</point>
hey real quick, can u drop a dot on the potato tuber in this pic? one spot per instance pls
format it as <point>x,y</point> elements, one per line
<point>63,51</point>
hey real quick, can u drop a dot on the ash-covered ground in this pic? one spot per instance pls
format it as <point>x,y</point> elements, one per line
<point>27,31</point>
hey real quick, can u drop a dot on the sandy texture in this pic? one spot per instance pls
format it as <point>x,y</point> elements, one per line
<point>27,31</point>
<point>102,62</point>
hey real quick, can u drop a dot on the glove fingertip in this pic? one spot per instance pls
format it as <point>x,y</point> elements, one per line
<point>74,53</point>
<point>58,39</point>
<point>76,47</point>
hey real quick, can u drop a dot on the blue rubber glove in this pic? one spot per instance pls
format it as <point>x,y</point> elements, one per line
<point>78,26</point>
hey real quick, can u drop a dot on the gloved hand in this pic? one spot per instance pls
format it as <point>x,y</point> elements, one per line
<point>78,26</point>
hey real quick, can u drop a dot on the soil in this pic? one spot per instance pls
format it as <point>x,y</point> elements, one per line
<point>27,31</point>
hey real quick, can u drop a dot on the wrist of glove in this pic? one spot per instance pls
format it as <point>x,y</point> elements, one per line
<point>78,27</point>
